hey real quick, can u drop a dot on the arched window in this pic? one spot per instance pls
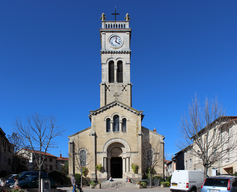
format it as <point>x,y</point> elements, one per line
<point>82,158</point>
<point>120,72</point>
<point>111,72</point>
<point>116,123</point>
<point>108,125</point>
<point>124,125</point>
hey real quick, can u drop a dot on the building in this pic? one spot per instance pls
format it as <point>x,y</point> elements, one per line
<point>61,161</point>
<point>116,139</point>
<point>168,168</point>
<point>223,130</point>
<point>6,154</point>
<point>51,162</point>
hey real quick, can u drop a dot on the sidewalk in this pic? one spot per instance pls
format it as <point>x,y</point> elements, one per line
<point>88,189</point>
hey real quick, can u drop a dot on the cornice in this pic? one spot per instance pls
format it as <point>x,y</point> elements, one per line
<point>115,103</point>
<point>114,52</point>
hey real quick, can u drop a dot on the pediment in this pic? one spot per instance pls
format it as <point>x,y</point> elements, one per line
<point>113,104</point>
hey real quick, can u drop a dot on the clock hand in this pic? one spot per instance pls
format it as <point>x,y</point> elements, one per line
<point>117,41</point>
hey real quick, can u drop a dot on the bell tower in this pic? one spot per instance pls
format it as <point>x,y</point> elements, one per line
<point>115,38</point>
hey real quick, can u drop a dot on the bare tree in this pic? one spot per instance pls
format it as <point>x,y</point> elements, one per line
<point>19,161</point>
<point>205,131</point>
<point>38,133</point>
<point>153,158</point>
<point>82,161</point>
<point>153,155</point>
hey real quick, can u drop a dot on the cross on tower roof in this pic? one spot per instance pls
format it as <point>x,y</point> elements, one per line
<point>116,95</point>
<point>115,13</point>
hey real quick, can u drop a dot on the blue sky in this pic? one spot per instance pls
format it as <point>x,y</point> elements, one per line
<point>50,60</point>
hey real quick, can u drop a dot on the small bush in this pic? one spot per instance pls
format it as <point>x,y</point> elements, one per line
<point>158,177</point>
<point>169,178</point>
<point>93,184</point>
<point>99,167</point>
<point>143,184</point>
<point>78,178</point>
<point>165,183</point>
<point>135,168</point>
<point>84,171</point>
<point>6,189</point>
<point>18,189</point>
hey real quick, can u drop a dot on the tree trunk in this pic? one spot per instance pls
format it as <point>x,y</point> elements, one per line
<point>150,179</point>
<point>205,171</point>
<point>39,183</point>
<point>81,180</point>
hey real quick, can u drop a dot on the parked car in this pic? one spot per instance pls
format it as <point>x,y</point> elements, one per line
<point>11,176</point>
<point>32,182</point>
<point>186,180</point>
<point>8,177</point>
<point>24,175</point>
<point>220,184</point>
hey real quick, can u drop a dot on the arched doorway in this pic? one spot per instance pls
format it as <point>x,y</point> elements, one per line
<point>116,163</point>
<point>116,167</point>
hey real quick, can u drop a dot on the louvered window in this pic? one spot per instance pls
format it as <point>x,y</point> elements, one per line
<point>111,72</point>
<point>120,72</point>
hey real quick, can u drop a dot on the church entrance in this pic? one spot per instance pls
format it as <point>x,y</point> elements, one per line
<point>116,167</point>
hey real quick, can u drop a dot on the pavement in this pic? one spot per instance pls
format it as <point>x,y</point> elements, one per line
<point>148,189</point>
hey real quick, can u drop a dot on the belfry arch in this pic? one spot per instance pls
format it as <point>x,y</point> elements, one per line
<point>116,162</point>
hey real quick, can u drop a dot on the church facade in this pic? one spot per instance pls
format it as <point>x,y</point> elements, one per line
<point>116,144</point>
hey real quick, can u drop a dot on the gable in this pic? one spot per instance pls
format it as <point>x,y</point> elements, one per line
<point>79,132</point>
<point>112,105</point>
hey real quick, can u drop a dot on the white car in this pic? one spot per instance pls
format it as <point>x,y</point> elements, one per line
<point>186,180</point>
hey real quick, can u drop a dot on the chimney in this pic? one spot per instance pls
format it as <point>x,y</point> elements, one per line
<point>60,155</point>
<point>154,129</point>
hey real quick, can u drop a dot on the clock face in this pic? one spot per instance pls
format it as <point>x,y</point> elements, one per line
<point>115,41</point>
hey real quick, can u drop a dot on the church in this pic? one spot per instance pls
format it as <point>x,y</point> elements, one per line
<point>116,144</point>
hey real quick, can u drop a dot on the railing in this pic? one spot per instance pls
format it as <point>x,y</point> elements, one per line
<point>115,25</point>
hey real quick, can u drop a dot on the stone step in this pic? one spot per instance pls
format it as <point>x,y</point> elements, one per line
<point>117,183</point>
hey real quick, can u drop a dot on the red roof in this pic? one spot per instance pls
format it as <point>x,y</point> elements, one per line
<point>166,161</point>
<point>47,154</point>
<point>50,155</point>
<point>62,159</point>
